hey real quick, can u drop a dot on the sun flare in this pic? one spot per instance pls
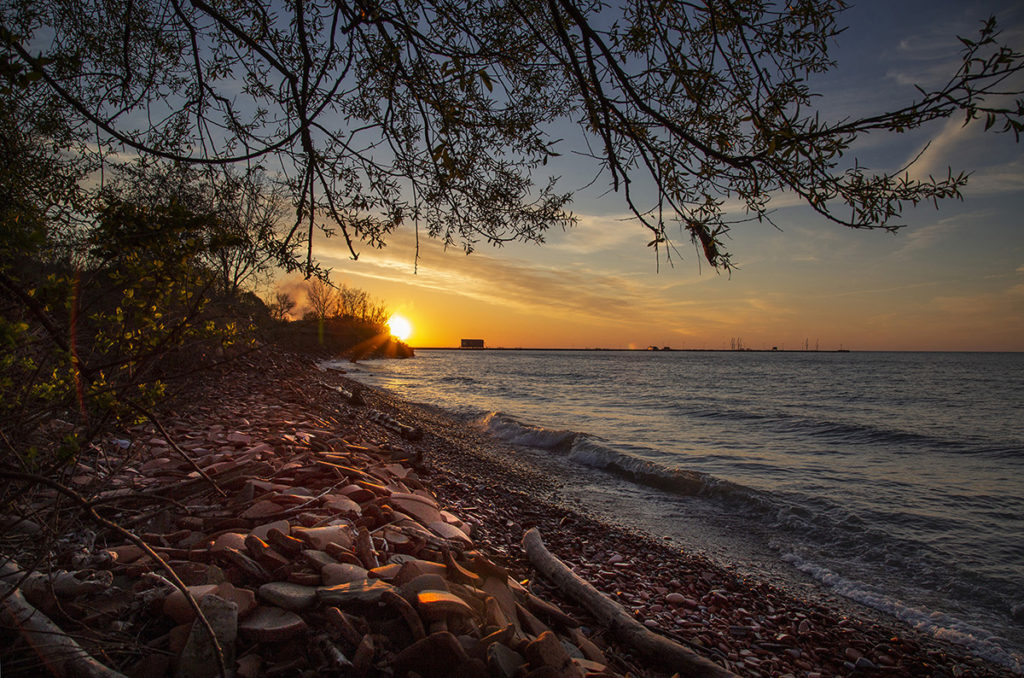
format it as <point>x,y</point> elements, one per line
<point>400,327</point>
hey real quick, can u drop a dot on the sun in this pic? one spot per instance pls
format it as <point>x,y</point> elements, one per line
<point>400,327</point>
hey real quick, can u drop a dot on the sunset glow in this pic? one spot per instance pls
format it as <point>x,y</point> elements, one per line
<point>950,280</point>
<point>400,327</point>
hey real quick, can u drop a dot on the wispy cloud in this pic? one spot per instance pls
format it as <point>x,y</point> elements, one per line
<point>676,303</point>
<point>935,159</point>
<point>958,146</point>
<point>1005,178</point>
<point>1018,289</point>
<point>916,239</point>
<point>598,233</point>
<point>512,283</point>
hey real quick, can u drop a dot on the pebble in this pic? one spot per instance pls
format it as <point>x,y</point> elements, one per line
<point>319,537</point>
<point>263,531</point>
<point>288,596</point>
<point>272,624</point>
<point>198,658</point>
<point>262,509</point>
<point>423,510</point>
<point>504,662</point>
<point>864,663</point>
<point>312,571</point>
<point>342,573</point>
<point>177,607</point>
<point>431,657</point>
<point>435,605</point>
<point>365,591</point>
<point>229,540</point>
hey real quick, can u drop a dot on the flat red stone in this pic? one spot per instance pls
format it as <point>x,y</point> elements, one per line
<point>262,509</point>
<point>272,624</point>
<point>439,604</point>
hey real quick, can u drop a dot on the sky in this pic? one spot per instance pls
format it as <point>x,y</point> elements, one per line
<point>952,279</point>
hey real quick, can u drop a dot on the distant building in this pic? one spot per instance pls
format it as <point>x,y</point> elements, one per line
<point>472,343</point>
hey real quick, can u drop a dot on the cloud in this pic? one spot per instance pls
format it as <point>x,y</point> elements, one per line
<point>932,55</point>
<point>935,158</point>
<point>595,233</point>
<point>1005,178</point>
<point>777,201</point>
<point>929,58</point>
<point>1018,289</point>
<point>1005,304</point>
<point>917,239</point>
<point>581,293</point>
<point>957,146</point>
<point>526,286</point>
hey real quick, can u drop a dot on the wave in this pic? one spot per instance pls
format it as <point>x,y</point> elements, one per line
<point>850,432</point>
<point>817,520</point>
<point>460,380</point>
<point>588,450</point>
<point>935,623</point>
<point>510,430</point>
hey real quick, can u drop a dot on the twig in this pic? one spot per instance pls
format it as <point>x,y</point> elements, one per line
<point>156,422</point>
<point>91,512</point>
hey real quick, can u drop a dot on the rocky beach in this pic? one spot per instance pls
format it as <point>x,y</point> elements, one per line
<point>278,519</point>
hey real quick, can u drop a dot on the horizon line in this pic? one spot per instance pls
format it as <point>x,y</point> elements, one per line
<point>711,350</point>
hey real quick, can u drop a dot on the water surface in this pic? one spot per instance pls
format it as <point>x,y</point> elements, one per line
<point>895,479</point>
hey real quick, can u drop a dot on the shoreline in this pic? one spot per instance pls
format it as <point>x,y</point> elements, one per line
<point>796,590</point>
<point>666,349</point>
<point>282,440</point>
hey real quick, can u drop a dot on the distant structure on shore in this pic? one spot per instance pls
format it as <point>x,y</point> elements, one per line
<point>472,343</point>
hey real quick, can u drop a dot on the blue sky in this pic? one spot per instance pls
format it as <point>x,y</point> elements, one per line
<point>953,279</point>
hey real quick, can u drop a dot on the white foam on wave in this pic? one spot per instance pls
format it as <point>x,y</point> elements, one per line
<point>590,452</point>
<point>938,624</point>
<point>506,428</point>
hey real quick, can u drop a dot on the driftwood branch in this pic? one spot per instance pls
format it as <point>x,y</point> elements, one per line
<point>670,654</point>
<point>90,510</point>
<point>61,655</point>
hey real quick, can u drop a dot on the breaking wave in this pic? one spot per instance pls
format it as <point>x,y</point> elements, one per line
<point>938,624</point>
<point>815,518</point>
<point>588,450</point>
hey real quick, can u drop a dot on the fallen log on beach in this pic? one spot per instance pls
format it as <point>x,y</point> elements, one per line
<point>659,649</point>
<point>392,424</point>
<point>59,653</point>
<point>350,397</point>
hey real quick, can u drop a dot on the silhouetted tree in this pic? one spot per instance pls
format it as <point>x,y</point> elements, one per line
<point>382,112</point>
<point>245,215</point>
<point>282,306</point>
<point>322,298</point>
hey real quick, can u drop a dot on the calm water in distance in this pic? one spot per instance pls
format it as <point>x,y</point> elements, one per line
<point>895,479</point>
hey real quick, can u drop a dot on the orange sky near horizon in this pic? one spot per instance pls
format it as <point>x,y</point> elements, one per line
<point>793,289</point>
<point>952,279</point>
